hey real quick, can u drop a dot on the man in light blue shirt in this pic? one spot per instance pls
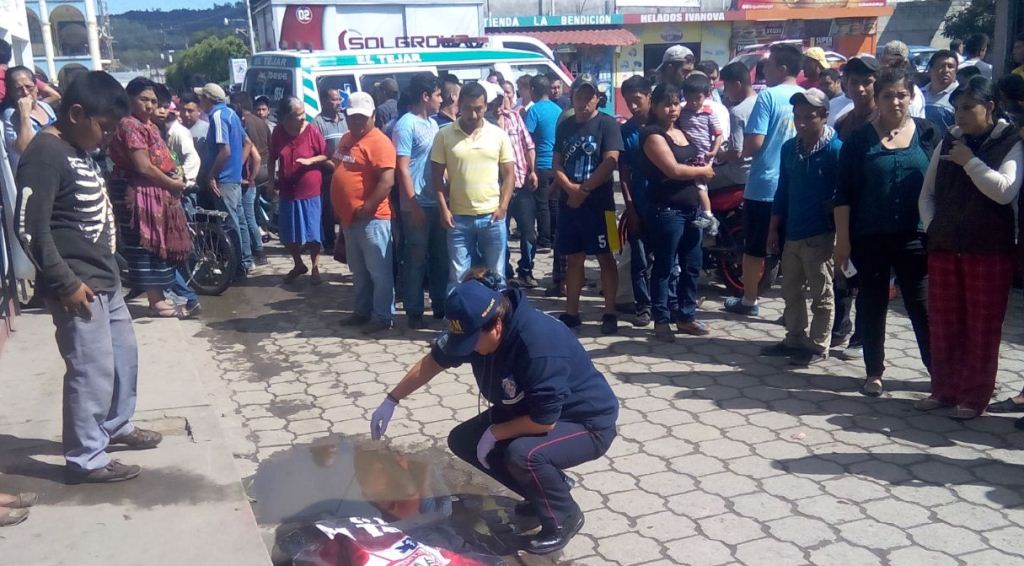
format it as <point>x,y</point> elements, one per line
<point>941,84</point>
<point>223,164</point>
<point>424,241</point>
<point>541,121</point>
<point>770,125</point>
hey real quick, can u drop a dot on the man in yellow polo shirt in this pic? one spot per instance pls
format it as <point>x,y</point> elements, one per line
<point>479,161</point>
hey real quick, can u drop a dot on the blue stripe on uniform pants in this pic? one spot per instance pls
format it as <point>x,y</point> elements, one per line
<point>531,466</point>
<point>100,382</point>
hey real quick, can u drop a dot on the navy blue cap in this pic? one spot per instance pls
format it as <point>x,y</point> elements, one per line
<point>469,308</point>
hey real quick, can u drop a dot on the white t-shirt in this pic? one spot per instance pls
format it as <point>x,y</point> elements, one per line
<point>985,68</point>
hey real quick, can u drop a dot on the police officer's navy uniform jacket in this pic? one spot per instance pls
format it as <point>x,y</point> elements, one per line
<point>540,369</point>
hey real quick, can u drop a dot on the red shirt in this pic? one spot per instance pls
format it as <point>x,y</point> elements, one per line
<point>294,181</point>
<point>132,135</point>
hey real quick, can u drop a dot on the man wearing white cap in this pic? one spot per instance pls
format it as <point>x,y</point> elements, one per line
<point>363,177</point>
<point>223,163</point>
<point>475,154</point>
<point>676,64</point>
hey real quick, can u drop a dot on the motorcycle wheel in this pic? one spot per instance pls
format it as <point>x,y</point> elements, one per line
<point>730,264</point>
<point>213,261</point>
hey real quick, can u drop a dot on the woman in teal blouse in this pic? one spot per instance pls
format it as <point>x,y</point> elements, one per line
<point>878,227</point>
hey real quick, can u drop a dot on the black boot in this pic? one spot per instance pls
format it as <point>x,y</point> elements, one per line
<point>551,539</point>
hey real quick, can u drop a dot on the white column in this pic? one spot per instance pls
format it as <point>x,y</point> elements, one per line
<point>44,22</point>
<point>94,36</point>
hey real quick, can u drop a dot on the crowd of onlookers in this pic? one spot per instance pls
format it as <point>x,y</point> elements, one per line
<point>863,179</point>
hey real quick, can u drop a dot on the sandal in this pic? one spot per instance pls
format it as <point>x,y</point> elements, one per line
<point>963,413</point>
<point>1007,405</point>
<point>872,387</point>
<point>169,311</point>
<point>13,517</point>
<point>930,404</point>
<point>295,273</point>
<point>21,501</point>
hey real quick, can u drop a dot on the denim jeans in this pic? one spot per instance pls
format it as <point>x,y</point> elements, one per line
<point>180,286</point>
<point>523,209</point>
<point>102,368</point>
<point>545,234</point>
<point>476,240</point>
<point>424,256</point>
<point>231,202</point>
<point>369,249</point>
<point>675,239</point>
<point>249,202</point>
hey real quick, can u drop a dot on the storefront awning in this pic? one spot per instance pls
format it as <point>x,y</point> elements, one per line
<point>614,37</point>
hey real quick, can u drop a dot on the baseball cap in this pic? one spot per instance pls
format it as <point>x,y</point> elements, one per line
<point>896,48</point>
<point>864,65</point>
<point>811,96</point>
<point>360,103</point>
<point>585,79</point>
<point>469,308</point>
<point>817,54</point>
<point>675,54</point>
<point>492,91</point>
<point>211,91</point>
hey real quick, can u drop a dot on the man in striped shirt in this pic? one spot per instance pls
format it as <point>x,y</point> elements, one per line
<point>522,208</point>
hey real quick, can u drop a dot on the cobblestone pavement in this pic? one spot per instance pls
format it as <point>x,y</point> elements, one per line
<point>722,457</point>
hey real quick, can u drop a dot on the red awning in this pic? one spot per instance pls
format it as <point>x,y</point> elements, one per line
<point>584,36</point>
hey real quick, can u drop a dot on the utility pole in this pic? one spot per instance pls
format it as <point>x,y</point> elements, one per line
<point>248,20</point>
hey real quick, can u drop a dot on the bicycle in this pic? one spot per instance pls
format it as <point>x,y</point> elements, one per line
<point>213,262</point>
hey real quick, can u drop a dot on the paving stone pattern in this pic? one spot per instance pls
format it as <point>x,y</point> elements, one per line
<point>723,457</point>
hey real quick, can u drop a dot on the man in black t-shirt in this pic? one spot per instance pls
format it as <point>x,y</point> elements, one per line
<point>586,154</point>
<point>68,231</point>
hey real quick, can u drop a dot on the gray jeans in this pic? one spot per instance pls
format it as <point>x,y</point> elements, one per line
<point>100,382</point>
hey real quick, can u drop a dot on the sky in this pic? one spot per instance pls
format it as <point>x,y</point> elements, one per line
<point>120,6</point>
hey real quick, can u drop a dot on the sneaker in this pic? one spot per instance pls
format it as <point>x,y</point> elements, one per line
<point>570,320</point>
<point>736,305</point>
<point>642,320</point>
<point>779,350</point>
<point>693,328</point>
<point>113,472</point>
<point>703,222</point>
<point>416,322</point>
<point>190,310</point>
<point>713,229</point>
<point>527,281</point>
<point>377,327</point>
<point>806,358</point>
<point>139,439</point>
<point>609,324</point>
<point>261,259</point>
<point>854,352</point>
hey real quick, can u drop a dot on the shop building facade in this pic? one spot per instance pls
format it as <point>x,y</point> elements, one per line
<point>632,40</point>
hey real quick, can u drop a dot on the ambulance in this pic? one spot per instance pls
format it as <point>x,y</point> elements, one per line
<point>306,74</point>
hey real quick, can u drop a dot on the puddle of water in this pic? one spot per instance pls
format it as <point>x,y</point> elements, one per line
<point>423,493</point>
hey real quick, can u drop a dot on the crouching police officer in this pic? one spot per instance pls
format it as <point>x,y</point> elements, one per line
<point>551,408</point>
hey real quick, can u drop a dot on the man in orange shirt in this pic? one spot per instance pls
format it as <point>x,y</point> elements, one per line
<point>363,176</point>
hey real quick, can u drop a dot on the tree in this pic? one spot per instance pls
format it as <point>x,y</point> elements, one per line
<point>208,58</point>
<point>978,17</point>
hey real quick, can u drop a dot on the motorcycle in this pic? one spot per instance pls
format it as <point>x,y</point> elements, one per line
<point>723,253</point>
<point>266,212</point>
